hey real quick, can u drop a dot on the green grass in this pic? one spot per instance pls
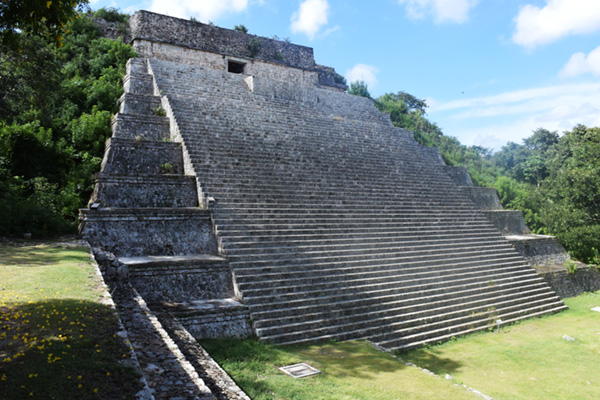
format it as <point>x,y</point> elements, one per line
<point>529,360</point>
<point>57,341</point>
<point>350,370</point>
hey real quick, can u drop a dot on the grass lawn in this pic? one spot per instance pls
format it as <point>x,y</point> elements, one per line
<point>57,340</point>
<point>350,370</point>
<point>530,360</point>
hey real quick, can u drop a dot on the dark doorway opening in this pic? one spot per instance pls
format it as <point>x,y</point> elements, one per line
<point>235,67</point>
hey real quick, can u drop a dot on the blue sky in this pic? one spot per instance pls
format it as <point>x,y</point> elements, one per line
<point>491,71</point>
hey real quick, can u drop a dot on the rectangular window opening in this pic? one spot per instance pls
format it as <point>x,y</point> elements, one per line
<point>235,67</point>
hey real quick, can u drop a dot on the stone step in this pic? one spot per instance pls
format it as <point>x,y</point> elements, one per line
<point>214,318</point>
<point>136,65</point>
<point>443,334</point>
<point>359,225</point>
<point>129,232</point>
<point>304,209</point>
<point>336,216</point>
<point>136,127</point>
<point>309,295</point>
<point>139,104</point>
<point>404,321</point>
<point>324,306</point>
<point>253,247</point>
<point>137,157</point>
<point>245,270</point>
<point>175,279</point>
<point>244,275</point>
<point>375,280</point>
<point>145,191</point>
<point>250,243</point>
<point>279,257</point>
<point>365,328</point>
<point>232,235</point>
<point>138,83</point>
<point>396,310</point>
<point>462,314</point>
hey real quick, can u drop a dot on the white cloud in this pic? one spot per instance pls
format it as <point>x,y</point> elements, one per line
<point>580,64</point>
<point>310,17</point>
<point>205,10</point>
<point>491,121</point>
<point>363,72</point>
<point>456,11</point>
<point>559,18</point>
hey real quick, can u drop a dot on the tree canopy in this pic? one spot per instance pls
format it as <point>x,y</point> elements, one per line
<point>37,17</point>
<point>55,107</point>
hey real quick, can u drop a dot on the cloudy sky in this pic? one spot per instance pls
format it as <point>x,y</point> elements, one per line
<point>492,71</point>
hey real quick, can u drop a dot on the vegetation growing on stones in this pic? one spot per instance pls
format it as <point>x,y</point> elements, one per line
<point>241,28</point>
<point>254,46</point>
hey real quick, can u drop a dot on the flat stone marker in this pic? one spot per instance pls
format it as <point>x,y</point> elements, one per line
<point>597,309</point>
<point>300,370</point>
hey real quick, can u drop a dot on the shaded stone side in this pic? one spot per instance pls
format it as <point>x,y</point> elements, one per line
<point>145,191</point>
<point>139,232</point>
<point>131,157</point>
<point>539,249</point>
<point>195,35</point>
<point>177,283</point>
<point>459,175</point>
<point>214,318</point>
<point>484,198</point>
<point>571,285</point>
<point>509,222</point>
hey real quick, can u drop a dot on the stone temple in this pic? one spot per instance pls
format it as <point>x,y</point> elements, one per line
<point>245,193</point>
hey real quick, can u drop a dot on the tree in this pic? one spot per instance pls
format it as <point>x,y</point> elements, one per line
<point>37,17</point>
<point>55,108</point>
<point>359,88</point>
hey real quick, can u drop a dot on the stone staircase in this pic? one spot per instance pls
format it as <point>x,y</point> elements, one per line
<point>145,210</point>
<point>337,225</point>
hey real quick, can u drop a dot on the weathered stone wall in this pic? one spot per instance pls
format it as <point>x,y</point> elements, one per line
<point>460,175</point>
<point>571,285</point>
<point>141,232</point>
<point>195,35</point>
<point>145,191</point>
<point>183,55</point>
<point>539,249</point>
<point>143,157</point>
<point>182,282</point>
<point>484,198</point>
<point>509,222</point>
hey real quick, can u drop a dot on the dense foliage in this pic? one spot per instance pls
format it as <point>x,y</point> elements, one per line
<point>554,179</point>
<point>56,102</point>
<point>38,17</point>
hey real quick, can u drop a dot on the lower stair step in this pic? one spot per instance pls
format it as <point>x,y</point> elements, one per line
<point>212,318</point>
<point>174,279</point>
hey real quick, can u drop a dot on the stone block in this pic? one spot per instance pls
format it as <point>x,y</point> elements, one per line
<point>139,232</point>
<point>145,191</point>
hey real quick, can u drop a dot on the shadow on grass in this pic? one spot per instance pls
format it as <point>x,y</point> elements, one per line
<point>36,256</point>
<point>356,359</point>
<point>61,349</point>
<point>428,357</point>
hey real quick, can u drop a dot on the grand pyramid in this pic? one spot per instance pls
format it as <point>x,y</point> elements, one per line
<point>246,193</point>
